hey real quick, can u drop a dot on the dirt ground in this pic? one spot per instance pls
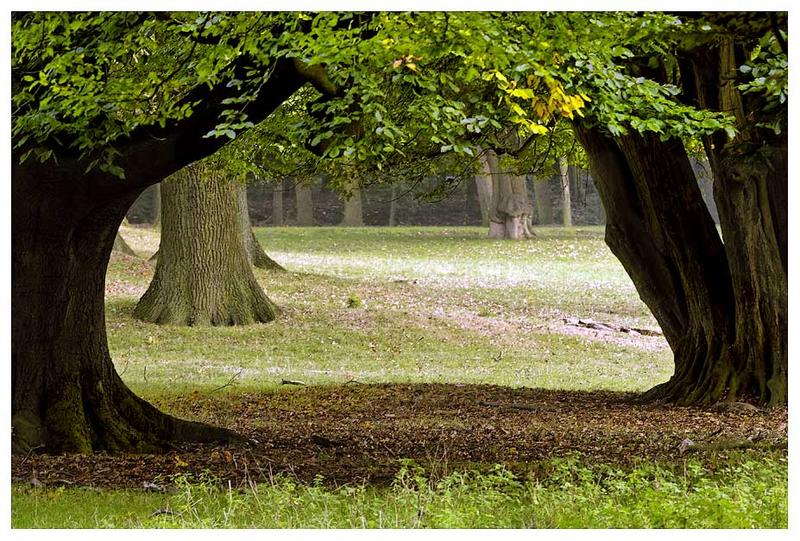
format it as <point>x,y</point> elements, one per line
<point>359,433</point>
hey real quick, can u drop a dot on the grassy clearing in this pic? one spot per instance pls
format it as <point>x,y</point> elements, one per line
<point>403,305</point>
<point>415,305</point>
<point>574,495</point>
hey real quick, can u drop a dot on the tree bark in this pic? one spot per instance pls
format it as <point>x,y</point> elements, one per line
<point>723,307</point>
<point>277,204</point>
<point>122,247</point>
<point>566,198</point>
<point>157,205</point>
<point>353,212</point>
<point>305,206</point>
<point>393,206</point>
<point>255,253</point>
<point>66,395</point>
<point>483,184</point>
<point>544,204</point>
<point>725,345</point>
<point>203,275</point>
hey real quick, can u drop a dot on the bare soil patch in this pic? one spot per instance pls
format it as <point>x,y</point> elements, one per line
<point>359,433</point>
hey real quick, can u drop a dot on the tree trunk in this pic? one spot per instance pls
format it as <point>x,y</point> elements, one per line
<point>305,206</point>
<point>544,203</point>
<point>566,198</point>
<point>157,205</point>
<point>122,247</point>
<point>509,205</point>
<point>255,253</point>
<point>203,276</point>
<point>483,184</point>
<point>66,395</point>
<point>353,213</point>
<point>726,346</point>
<point>277,204</point>
<point>393,206</point>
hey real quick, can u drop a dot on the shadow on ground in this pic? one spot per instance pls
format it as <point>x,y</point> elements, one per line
<point>359,433</point>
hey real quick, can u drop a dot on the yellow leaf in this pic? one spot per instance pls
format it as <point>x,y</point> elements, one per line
<point>412,66</point>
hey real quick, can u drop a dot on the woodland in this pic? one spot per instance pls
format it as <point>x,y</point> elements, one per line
<point>528,363</point>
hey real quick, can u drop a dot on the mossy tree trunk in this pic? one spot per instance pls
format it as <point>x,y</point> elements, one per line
<point>305,205</point>
<point>203,275</point>
<point>255,253</point>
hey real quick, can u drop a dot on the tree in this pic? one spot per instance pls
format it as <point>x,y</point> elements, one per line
<point>544,203</point>
<point>277,204</point>
<point>203,274</point>
<point>305,206</point>
<point>723,307</point>
<point>98,97</point>
<point>509,206</point>
<point>353,213</point>
<point>66,394</point>
<point>566,197</point>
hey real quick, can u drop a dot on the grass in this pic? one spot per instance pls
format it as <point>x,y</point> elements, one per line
<point>403,305</point>
<point>418,305</point>
<point>576,494</point>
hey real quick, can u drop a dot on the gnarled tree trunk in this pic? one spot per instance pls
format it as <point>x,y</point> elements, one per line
<point>509,208</point>
<point>203,275</point>
<point>66,395</point>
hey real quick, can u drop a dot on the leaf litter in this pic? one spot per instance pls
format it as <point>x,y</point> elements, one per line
<point>360,433</point>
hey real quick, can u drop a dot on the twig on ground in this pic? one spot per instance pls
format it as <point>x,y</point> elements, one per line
<point>30,452</point>
<point>230,381</point>
<point>292,382</point>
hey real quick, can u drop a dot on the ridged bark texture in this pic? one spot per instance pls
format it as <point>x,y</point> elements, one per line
<point>203,276</point>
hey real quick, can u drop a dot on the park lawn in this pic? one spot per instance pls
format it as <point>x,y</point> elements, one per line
<point>449,317</point>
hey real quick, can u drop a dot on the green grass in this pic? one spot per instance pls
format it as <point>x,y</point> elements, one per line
<point>403,305</point>
<point>418,305</point>
<point>575,494</point>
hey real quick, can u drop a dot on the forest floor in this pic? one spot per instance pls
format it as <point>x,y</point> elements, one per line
<point>434,345</point>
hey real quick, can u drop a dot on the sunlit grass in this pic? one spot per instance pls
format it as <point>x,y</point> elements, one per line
<point>434,305</point>
<point>572,494</point>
